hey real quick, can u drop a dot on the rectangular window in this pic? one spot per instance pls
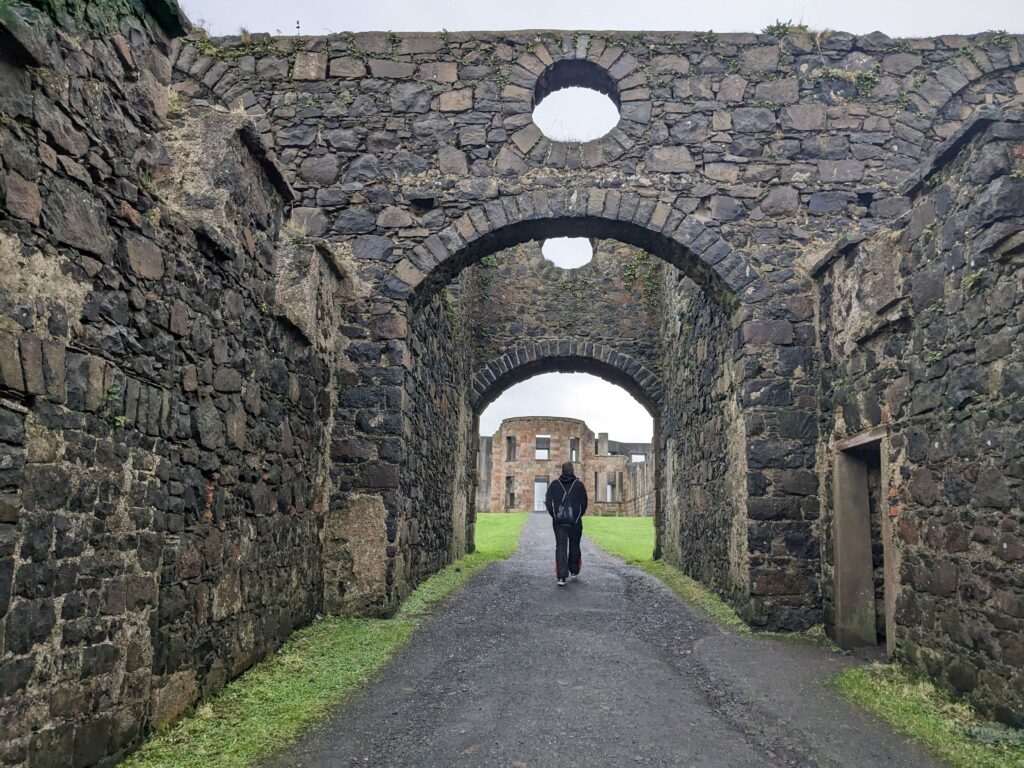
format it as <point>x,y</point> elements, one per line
<point>597,451</point>
<point>510,448</point>
<point>510,492</point>
<point>543,451</point>
<point>637,458</point>
<point>609,491</point>
<point>597,488</point>
<point>540,491</point>
<point>574,449</point>
<point>618,488</point>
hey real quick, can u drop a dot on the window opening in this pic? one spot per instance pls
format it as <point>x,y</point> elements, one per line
<point>543,448</point>
<point>575,100</point>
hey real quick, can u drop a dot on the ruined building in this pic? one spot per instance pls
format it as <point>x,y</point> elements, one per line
<point>516,465</point>
<point>253,300</point>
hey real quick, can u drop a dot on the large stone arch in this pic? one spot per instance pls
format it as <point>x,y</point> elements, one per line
<point>565,356</point>
<point>650,223</point>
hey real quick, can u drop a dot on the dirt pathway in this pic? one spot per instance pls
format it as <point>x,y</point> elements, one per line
<point>612,670</point>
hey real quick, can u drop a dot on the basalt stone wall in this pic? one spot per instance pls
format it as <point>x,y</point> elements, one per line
<point>612,300</point>
<point>921,339</point>
<point>702,525</point>
<point>161,427</point>
<point>439,448</point>
<point>174,368</point>
<point>734,154</point>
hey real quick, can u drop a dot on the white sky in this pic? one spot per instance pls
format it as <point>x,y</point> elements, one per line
<point>604,407</point>
<point>899,18</point>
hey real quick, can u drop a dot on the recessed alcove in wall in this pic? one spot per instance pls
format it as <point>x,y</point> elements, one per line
<point>575,101</point>
<point>568,252</point>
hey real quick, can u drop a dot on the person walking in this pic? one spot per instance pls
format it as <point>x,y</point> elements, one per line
<point>566,502</point>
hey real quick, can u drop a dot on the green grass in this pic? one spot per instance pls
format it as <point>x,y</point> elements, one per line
<point>950,729</point>
<point>632,539</point>
<point>497,536</point>
<point>279,698</point>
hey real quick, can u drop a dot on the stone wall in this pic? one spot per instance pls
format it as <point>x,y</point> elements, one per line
<point>921,337</point>
<point>163,424</point>
<point>238,383</point>
<point>439,456</point>
<point>703,522</point>
<point>612,300</point>
<point>734,153</point>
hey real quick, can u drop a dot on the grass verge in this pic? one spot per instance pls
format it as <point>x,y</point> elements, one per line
<point>950,729</point>
<point>632,539</point>
<point>279,698</point>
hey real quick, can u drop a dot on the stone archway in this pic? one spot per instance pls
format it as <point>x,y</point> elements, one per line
<point>646,222</point>
<point>565,356</point>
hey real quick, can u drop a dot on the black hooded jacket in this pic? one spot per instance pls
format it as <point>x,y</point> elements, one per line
<point>578,497</point>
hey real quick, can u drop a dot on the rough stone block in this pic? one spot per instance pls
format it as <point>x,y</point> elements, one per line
<point>347,67</point>
<point>803,117</point>
<point>21,198</point>
<point>670,160</point>
<point>144,257</point>
<point>440,72</point>
<point>456,101</point>
<point>452,160</point>
<point>310,66</point>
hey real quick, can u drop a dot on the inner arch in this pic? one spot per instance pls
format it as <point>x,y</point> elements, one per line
<point>697,268</point>
<point>528,360</point>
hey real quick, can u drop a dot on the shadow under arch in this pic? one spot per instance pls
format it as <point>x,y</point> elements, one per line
<point>676,238</point>
<point>530,359</point>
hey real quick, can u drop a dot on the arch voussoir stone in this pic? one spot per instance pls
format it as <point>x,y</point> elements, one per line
<point>565,355</point>
<point>648,222</point>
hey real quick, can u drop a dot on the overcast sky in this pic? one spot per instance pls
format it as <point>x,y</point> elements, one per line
<point>604,407</point>
<point>899,18</point>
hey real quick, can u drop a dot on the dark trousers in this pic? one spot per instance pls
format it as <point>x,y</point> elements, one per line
<point>568,558</point>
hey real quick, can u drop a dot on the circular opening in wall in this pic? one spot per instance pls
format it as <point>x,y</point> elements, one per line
<point>568,252</point>
<point>575,101</point>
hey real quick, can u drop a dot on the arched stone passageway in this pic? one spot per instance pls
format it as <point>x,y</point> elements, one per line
<point>237,346</point>
<point>702,450</point>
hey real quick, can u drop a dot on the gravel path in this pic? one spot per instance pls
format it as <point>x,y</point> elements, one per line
<point>611,670</point>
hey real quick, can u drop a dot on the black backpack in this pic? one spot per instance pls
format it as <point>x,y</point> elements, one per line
<point>564,514</point>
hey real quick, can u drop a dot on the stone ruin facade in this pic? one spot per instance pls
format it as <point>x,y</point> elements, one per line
<point>525,455</point>
<point>243,350</point>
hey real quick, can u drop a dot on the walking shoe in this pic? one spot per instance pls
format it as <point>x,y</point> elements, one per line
<point>561,582</point>
<point>573,576</point>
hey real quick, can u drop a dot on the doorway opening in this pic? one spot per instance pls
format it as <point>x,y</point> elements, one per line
<point>861,550</point>
<point>540,492</point>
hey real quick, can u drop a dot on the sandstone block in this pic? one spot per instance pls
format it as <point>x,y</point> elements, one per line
<point>456,101</point>
<point>144,257</point>
<point>310,66</point>
<point>670,160</point>
<point>440,72</point>
<point>347,66</point>
<point>21,197</point>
